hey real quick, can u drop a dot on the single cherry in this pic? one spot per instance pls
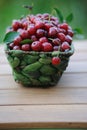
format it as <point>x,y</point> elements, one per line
<point>26,47</point>
<point>36,46</point>
<point>56,60</point>
<point>47,47</point>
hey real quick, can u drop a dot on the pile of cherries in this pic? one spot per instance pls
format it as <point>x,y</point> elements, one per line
<point>45,33</point>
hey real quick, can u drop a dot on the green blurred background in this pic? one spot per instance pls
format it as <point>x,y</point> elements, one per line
<point>12,9</point>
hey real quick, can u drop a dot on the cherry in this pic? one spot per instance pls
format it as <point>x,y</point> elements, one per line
<point>61,36</point>
<point>70,33</point>
<point>52,32</point>
<point>45,32</point>
<point>48,25</point>
<point>33,37</point>
<point>17,40</point>
<point>16,48</point>
<point>26,47</point>
<point>60,30</point>
<point>46,16</point>
<point>39,25</point>
<point>40,33</point>
<point>64,26</point>
<point>25,25</point>
<point>31,30</point>
<point>68,39</point>
<point>55,48</point>
<point>65,46</point>
<point>36,46</point>
<point>47,47</point>
<point>16,24</point>
<point>11,45</point>
<point>43,39</point>
<point>56,60</point>
<point>56,41</point>
<point>24,34</point>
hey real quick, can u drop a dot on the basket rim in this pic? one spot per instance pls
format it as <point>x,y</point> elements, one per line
<point>70,52</point>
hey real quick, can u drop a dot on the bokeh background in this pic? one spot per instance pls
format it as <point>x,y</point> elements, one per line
<point>12,9</point>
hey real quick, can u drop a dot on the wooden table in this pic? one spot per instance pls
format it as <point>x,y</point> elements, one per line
<point>62,106</point>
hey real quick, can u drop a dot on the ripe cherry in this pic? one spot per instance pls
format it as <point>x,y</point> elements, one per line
<point>61,36</point>
<point>31,30</point>
<point>47,47</point>
<point>17,40</point>
<point>16,24</point>
<point>56,60</point>
<point>40,33</point>
<point>16,48</point>
<point>26,47</point>
<point>68,39</point>
<point>56,41</point>
<point>33,37</point>
<point>11,45</point>
<point>70,33</point>
<point>43,39</point>
<point>65,46</point>
<point>64,26</point>
<point>24,34</point>
<point>36,46</point>
<point>39,25</point>
<point>52,32</point>
<point>55,48</point>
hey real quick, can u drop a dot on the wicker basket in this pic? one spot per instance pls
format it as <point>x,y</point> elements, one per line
<point>35,68</point>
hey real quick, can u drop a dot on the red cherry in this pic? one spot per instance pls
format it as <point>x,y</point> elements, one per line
<point>17,40</point>
<point>25,25</point>
<point>65,46</point>
<point>68,39</point>
<point>26,47</point>
<point>31,30</point>
<point>64,26</point>
<point>56,41</point>
<point>52,32</point>
<point>36,46</point>
<point>56,60</point>
<point>16,48</point>
<point>55,48</point>
<point>61,36</point>
<point>24,34</point>
<point>48,25</point>
<point>70,33</point>
<point>34,38</point>
<point>47,47</point>
<point>16,24</point>
<point>60,30</point>
<point>11,45</point>
<point>46,16</point>
<point>43,39</point>
<point>39,25</point>
<point>40,33</point>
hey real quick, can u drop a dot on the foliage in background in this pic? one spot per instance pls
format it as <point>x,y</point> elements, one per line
<point>12,9</point>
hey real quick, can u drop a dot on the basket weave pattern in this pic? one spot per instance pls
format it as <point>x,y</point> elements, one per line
<point>35,68</point>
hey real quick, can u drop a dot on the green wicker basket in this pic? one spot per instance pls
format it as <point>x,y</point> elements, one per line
<point>35,68</point>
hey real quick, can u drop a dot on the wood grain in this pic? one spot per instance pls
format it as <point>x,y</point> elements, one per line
<point>43,116</point>
<point>61,106</point>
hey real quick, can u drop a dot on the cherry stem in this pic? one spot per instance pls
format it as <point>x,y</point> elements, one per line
<point>29,7</point>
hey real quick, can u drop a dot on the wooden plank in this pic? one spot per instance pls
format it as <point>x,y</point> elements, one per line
<point>50,96</point>
<point>43,116</point>
<point>3,60</point>
<point>79,56</point>
<point>67,80</point>
<point>74,67</point>
<point>5,69</point>
<point>77,67</point>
